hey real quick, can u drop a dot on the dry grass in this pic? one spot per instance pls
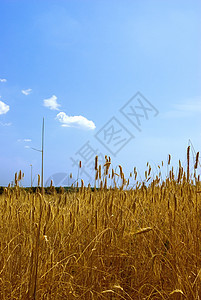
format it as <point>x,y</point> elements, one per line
<point>142,243</point>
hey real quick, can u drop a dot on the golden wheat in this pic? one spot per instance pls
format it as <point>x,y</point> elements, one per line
<point>110,243</point>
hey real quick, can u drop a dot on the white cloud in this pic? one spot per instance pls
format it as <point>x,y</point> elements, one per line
<point>191,106</point>
<point>26,92</point>
<point>5,124</point>
<point>174,114</point>
<point>75,121</point>
<point>27,147</point>
<point>3,80</point>
<point>183,110</point>
<point>4,108</point>
<point>51,103</point>
<point>24,140</point>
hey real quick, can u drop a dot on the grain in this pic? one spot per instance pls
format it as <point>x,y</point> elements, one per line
<point>126,243</point>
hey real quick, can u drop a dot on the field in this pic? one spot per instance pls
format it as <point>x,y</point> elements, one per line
<point>109,243</point>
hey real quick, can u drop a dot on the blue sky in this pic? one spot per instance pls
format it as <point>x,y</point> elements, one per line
<point>77,63</point>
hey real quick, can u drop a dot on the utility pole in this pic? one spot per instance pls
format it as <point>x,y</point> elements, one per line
<point>42,152</point>
<point>31,176</point>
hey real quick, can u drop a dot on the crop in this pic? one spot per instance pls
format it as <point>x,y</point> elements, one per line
<point>107,243</point>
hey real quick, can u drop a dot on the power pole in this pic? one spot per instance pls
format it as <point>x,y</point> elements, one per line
<point>42,154</point>
<point>31,175</point>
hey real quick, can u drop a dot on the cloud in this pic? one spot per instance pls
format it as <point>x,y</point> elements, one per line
<point>51,103</point>
<point>27,147</point>
<point>5,124</point>
<point>4,108</point>
<point>174,114</point>
<point>26,92</point>
<point>192,107</point>
<point>24,140</point>
<point>186,109</point>
<point>3,80</point>
<point>75,121</point>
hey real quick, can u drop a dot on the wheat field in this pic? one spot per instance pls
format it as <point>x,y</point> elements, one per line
<point>106,243</point>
